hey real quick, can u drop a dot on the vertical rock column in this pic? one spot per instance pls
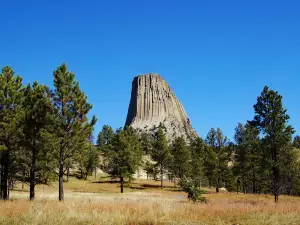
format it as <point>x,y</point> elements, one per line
<point>153,102</point>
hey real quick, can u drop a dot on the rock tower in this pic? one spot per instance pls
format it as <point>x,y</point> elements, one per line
<point>153,102</point>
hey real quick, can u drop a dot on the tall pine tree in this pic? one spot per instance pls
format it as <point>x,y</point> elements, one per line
<point>125,155</point>
<point>72,127</point>
<point>37,109</point>
<point>11,97</point>
<point>272,120</point>
<point>181,157</point>
<point>218,156</point>
<point>160,151</point>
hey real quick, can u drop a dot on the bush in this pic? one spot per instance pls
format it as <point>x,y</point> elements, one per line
<point>194,193</point>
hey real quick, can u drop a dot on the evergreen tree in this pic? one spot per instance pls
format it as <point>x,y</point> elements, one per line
<point>105,137</point>
<point>272,120</point>
<point>150,169</point>
<point>181,156</point>
<point>125,155</point>
<point>290,171</point>
<point>105,144</point>
<point>146,142</point>
<point>160,151</point>
<point>11,97</point>
<point>248,157</point>
<point>197,160</point>
<point>36,107</point>
<point>72,128</point>
<point>218,156</point>
<point>296,142</point>
<point>87,159</point>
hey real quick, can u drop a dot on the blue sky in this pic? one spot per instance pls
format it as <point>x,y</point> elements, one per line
<point>216,55</point>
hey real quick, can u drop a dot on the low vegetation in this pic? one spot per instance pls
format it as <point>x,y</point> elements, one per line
<point>100,203</point>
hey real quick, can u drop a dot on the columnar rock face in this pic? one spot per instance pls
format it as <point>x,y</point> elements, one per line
<point>153,102</point>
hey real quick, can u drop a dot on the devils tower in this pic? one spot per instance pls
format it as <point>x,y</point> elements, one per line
<point>153,102</point>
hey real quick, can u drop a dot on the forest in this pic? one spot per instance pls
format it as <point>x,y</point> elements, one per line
<point>45,135</point>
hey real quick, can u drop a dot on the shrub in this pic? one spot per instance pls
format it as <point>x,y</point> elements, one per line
<point>194,193</point>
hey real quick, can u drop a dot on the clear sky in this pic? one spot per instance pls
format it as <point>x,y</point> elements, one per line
<point>216,55</point>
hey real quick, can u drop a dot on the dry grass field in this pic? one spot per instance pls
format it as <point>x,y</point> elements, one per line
<point>88,202</point>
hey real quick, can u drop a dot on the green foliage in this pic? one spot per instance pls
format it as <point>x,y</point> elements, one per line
<point>197,148</point>
<point>35,117</point>
<point>72,128</point>
<point>160,151</point>
<point>105,138</point>
<point>181,157</point>
<point>272,120</point>
<point>151,169</point>
<point>217,157</point>
<point>296,142</point>
<point>105,144</point>
<point>248,158</point>
<point>146,142</point>
<point>87,159</point>
<point>11,98</point>
<point>125,155</point>
<point>194,193</point>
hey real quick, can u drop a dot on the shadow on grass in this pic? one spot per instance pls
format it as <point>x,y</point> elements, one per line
<point>158,186</point>
<point>107,182</point>
<point>137,188</point>
<point>20,190</point>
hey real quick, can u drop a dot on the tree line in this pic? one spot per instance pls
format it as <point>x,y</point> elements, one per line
<point>45,134</point>
<point>42,131</point>
<point>264,157</point>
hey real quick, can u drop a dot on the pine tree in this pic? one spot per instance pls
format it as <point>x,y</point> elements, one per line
<point>11,97</point>
<point>272,120</point>
<point>104,144</point>
<point>197,160</point>
<point>248,157</point>
<point>218,156</point>
<point>72,128</point>
<point>146,142</point>
<point>181,157</point>
<point>105,137</point>
<point>125,155</point>
<point>160,151</point>
<point>296,142</point>
<point>87,159</point>
<point>37,108</point>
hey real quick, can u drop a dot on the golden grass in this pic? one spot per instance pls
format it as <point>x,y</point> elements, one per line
<point>146,206</point>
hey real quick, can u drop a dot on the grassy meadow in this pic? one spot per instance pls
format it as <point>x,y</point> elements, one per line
<point>90,202</point>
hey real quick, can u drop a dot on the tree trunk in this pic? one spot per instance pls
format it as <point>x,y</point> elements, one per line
<point>253,184</point>
<point>243,185</point>
<point>32,176</point>
<point>276,176</point>
<point>24,173</point>
<point>218,184</point>
<point>161,176</point>
<point>4,175</point>
<point>68,173</point>
<point>276,183</point>
<point>61,178</point>
<point>122,184</point>
<point>95,173</point>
